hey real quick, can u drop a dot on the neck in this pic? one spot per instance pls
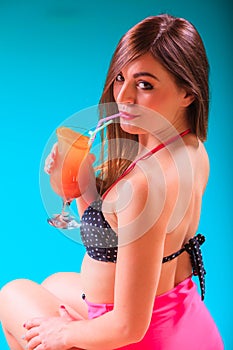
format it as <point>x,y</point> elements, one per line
<point>149,141</point>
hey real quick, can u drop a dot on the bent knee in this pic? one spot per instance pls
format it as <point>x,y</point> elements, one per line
<point>60,279</point>
<point>52,279</point>
<point>12,289</point>
<point>16,284</point>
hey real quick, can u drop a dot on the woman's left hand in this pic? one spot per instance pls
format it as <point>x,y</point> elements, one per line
<point>47,333</point>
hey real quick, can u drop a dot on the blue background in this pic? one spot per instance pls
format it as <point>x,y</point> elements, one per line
<point>54,55</point>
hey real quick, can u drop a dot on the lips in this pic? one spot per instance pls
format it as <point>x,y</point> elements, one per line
<point>127,115</point>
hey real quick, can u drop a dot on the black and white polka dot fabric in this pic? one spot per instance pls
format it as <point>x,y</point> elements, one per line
<point>101,242</point>
<point>194,250</point>
<point>97,235</point>
<point>192,247</point>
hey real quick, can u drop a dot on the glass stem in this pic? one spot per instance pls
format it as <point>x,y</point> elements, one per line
<point>64,212</point>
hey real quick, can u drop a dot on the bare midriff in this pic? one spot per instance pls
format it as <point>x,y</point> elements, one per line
<point>98,280</point>
<point>98,277</point>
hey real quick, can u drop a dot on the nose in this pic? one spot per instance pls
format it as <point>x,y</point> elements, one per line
<point>126,94</point>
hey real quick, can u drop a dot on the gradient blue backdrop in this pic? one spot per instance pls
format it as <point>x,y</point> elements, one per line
<point>53,61</point>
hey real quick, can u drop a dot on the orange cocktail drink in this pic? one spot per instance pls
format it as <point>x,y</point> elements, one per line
<point>73,149</point>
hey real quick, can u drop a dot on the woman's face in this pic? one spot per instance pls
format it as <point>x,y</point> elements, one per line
<point>145,82</point>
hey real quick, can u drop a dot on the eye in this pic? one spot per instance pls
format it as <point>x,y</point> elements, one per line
<point>144,85</point>
<point>119,78</point>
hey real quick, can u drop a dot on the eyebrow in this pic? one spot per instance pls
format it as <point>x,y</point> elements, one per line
<point>147,74</point>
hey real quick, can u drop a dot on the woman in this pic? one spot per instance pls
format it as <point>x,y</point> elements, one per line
<point>135,289</point>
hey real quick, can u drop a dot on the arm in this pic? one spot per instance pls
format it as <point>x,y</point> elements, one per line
<point>137,272</point>
<point>90,194</point>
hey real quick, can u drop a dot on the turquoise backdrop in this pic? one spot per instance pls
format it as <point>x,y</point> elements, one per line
<point>54,55</point>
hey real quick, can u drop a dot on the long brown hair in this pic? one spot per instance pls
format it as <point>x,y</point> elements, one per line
<point>177,45</point>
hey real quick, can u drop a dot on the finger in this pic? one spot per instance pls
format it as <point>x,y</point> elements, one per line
<point>33,322</point>
<point>33,343</point>
<point>33,332</point>
<point>40,347</point>
<point>91,158</point>
<point>50,160</point>
<point>64,313</point>
<point>54,150</point>
<point>49,163</point>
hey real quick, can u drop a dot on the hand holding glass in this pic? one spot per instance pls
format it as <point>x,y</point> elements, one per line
<point>71,175</point>
<point>72,150</point>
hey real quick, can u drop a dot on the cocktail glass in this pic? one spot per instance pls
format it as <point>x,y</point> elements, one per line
<point>73,148</point>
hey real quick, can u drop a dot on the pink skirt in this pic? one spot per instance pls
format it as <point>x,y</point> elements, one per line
<point>180,321</point>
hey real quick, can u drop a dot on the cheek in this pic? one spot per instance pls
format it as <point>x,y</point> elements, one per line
<point>116,90</point>
<point>164,103</point>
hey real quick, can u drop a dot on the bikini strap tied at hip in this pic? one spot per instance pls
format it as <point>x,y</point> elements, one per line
<point>194,250</point>
<point>192,247</point>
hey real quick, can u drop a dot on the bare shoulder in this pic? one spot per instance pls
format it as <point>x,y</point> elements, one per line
<point>146,180</point>
<point>200,163</point>
<point>143,202</point>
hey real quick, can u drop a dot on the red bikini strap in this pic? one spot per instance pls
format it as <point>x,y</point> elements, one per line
<point>154,150</point>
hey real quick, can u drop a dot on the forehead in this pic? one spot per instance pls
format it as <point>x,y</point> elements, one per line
<point>145,63</point>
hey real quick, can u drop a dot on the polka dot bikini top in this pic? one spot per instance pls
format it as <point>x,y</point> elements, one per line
<point>101,241</point>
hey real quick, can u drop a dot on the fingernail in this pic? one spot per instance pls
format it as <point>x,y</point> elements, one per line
<point>23,337</point>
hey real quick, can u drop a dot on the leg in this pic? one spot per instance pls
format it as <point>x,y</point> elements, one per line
<point>67,287</point>
<point>11,341</point>
<point>23,299</point>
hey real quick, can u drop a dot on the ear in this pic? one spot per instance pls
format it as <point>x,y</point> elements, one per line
<point>187,99</point>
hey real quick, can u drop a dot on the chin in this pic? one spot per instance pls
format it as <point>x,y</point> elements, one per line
<point>131,129</point>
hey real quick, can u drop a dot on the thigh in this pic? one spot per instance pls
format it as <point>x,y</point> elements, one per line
<point>23,299</point>
<point>67,286</point>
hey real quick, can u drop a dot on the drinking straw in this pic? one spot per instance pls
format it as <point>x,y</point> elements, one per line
<point>101,125</point>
